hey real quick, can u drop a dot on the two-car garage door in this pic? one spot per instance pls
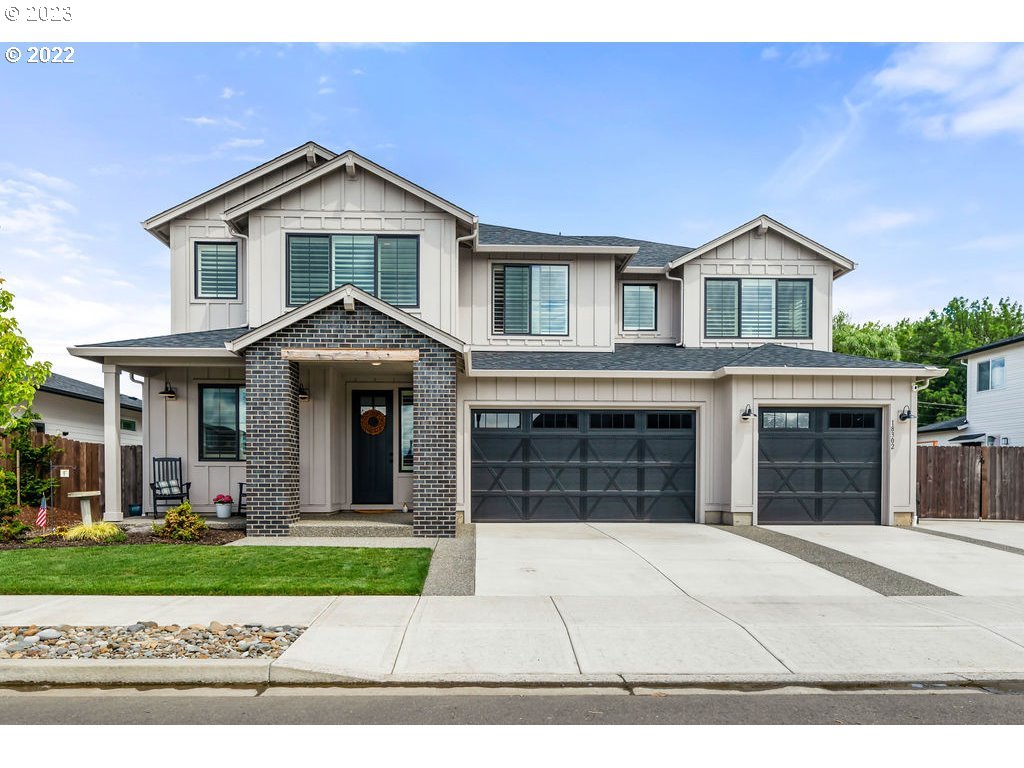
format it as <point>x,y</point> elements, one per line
<point>576,465</point>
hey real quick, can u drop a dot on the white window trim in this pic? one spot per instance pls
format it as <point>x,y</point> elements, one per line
<point>194,271</point>
<point>534,337</point>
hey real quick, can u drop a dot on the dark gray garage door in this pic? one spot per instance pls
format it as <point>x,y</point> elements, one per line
<point>566,466</point>
<point>820,465</point>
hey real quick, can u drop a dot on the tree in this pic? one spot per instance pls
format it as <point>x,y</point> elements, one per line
<point>867,340</point>
<point>19,378</point>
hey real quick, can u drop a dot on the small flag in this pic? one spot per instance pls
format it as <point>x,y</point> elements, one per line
<point>41,517</point>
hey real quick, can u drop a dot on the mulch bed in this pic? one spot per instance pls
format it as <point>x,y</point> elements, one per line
<point>54,516</point>
<point>212,537</point>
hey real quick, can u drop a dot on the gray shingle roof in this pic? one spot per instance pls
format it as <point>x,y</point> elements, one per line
<point>651,254</point>
<point>64,385</point>
<point>668,357</point>
<point>196,339</point>
<point>941,426</point>
<point>986,347</point>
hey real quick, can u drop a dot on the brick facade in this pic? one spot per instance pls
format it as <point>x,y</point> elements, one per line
<point>272,416</point>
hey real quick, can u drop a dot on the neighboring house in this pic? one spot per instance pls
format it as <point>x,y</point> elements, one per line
<point>74,409</point>
<point>343,339</point>
<point>995,398</point>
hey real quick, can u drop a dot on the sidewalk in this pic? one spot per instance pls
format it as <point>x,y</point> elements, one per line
<point>666,640</point>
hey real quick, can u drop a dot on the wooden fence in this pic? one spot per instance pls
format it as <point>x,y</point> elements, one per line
<point>970,482</point>
<point>84,465</point>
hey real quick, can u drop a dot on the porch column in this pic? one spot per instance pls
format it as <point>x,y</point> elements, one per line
<point>272,441</point>
<point>434,411</point>
<point>111,443</point>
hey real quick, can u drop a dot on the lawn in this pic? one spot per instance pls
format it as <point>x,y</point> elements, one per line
<point>167,569</point>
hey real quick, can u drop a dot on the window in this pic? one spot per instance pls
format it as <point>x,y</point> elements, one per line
<point>762,308</point>
<point>384,266</point>
<point>612,420</point>
<point>216,270</point>
<point>531,299</point>
<point>991,374</point>
<point>670,421</point>
<point>846,420</point>
<point>222,422</point>
<point>552,420</point>
<point>405,416</point>
<point>128,425</point>
<point>503,420</point>
<point>793,420</point>
<point>639,307</point>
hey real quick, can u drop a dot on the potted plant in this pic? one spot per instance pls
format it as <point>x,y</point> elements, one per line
<point>222,504</point>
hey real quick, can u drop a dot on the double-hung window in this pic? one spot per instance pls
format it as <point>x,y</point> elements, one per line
<point>639,307</point>
<point>758,308</point>
<point>221,422</point>
<point>530,299</point>
<point>216,271</point>
<point>384,266</point>
<point>991,374</point>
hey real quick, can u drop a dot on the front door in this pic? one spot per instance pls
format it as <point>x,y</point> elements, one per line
<point>372,447</point>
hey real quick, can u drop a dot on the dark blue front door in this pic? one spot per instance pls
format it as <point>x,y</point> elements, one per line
<point>372,447</point>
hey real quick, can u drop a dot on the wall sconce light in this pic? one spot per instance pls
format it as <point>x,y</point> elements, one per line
<point>167,393</point>
<point>748,413</point>
<point>905,414</point>
<point>303,394</point>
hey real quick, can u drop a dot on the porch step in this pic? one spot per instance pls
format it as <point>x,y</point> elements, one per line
<point>354,525</point>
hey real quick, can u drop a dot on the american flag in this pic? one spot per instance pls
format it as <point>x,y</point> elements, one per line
<point>41,517</point>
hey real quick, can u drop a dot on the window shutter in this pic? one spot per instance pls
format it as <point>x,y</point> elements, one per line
<point>549,299</point>
<point>353,260</point>
<point>511,299</point>
<point>721,305</point>
<point>309,268</point>
<point>638,307</point>
<point>757,313</point>
<point>793,309</point>
<point>216,270</point>
<point>398,264</point>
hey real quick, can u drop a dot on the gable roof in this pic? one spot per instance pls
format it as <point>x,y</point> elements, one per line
<point>328,299</point>
<point>960,422</point>
<point>993,345</point>
<point>162,218</point>
<point>68,387</point>
<point>347,158</point>
<point>843,264</point>
<point>645,253</point>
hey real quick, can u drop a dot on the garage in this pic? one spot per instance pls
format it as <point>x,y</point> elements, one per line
<point>820,466</point>
<point>572,465</point>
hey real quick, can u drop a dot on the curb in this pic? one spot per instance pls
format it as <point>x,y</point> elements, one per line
<point>134,672</point>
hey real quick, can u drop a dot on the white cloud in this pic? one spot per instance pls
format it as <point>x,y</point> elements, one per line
<point>325,91</point>
<point>53,182</point>
<point>817,149</point>
<point>230,93</point>
<point>358,71</point>
<point>1005,242</point>
<point>880,220</point>
<point>204,120</point>
<point>809,55</point>
<point>240,143</point>
<point>770,53</point>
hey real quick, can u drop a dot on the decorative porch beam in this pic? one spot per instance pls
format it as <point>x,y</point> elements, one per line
<point>350,355</point>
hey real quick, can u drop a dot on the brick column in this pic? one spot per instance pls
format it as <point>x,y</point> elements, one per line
<point>272,441</point>
<point>433,385</point>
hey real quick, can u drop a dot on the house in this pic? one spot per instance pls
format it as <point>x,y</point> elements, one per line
<point>74,409</point>
<point>344,339</point>
<point>995,396</point>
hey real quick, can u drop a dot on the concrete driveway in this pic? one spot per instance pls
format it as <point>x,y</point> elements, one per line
<point>624,559</point>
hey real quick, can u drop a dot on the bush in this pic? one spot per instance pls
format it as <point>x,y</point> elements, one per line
<point>181,524</point>
<point>12,529</point>
<point>100,532</point>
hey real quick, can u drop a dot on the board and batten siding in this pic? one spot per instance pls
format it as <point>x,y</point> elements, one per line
<point>997,411</point>
<point>667,330</point>
<point>202,224</point>
<point>81,419</point>
<point>592,303</point>
<point>364,204</point>
<point>748,255</point>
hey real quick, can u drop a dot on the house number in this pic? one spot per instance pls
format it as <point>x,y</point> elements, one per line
<point>892,435</point>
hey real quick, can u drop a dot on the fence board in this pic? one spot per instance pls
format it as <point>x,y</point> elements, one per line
<point>970,482</point>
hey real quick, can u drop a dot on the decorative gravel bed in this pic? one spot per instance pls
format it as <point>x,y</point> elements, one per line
<point>148,640</point>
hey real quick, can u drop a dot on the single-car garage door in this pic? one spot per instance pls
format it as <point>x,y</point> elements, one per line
<point>819,465</point>
<point>567,466</point>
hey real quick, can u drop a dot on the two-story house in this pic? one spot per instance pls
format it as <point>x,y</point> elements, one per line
<point>995,396</point>
<point>343,339</point>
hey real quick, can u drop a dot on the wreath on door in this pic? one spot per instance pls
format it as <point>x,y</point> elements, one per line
<point>372,422</point>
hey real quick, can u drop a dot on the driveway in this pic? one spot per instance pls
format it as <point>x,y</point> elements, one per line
<point>624,559</point>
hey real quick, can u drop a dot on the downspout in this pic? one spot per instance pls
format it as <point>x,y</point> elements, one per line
<point>670,276</point>
<point>474,237</point>
<point>234,232</point>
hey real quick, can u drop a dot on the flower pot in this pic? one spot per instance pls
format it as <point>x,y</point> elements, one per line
<point>223,510</point>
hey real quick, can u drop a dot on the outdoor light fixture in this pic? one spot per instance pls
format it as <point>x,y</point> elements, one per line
<point>303,394</point>
<point>747,414</point>
<point>375,363</point>
<point>167,393</point>
<point>905,414</point>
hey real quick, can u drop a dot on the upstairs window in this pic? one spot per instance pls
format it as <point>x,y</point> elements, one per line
<point>384,266</point>
<point>216,270</point>
<point>531,299</point>
<point>991,374</point>
<point>639,307</point>
<point>759,308</point>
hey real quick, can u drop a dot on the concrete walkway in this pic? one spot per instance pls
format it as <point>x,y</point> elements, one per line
<point>1009,533</point>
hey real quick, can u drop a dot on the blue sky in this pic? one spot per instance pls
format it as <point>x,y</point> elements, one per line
<point>906,159</point>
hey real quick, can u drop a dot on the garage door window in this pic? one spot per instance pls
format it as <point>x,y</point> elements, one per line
<point>613,420</point>
<point>795,420</point>
<point>548,420</point>
<point>496,420</point>
<point>670,421</point>
<point>844,420</point>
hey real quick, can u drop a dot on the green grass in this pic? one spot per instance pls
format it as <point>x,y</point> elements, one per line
<point>183,569</point>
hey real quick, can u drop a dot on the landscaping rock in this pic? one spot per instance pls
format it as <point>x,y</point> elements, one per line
<point>50,634</point>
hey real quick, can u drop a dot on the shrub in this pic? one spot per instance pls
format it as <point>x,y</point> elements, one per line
<point>181,524</point>
<point>12,529</point>
<point>100,532</point>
